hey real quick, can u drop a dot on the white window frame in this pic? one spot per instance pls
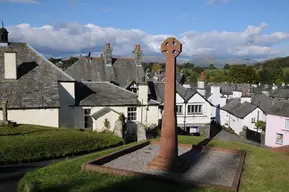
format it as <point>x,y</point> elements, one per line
<point>86,116</point>
<point>132,113</point>
<point>134,88</point>
<point>195,109</point>
<point>277,135</point>
<point>286,126</point>
<point>179,109</point>
<point>253,120</point>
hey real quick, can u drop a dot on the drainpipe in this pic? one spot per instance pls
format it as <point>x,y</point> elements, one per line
<point>185,116</point>
<point>141,114</point>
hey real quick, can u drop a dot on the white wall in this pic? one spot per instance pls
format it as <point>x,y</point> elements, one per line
<point>237,94</point>
<point>204,118</point>
<point>143,93</point>
<point>45,117</point>
<point>145,114</point>
<point>67,99</point>
<point>245,99</point>
<point>229,120</point>
<point>98,124</point>
<point>258,114</point>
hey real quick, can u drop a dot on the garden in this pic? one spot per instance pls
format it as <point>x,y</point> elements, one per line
<point>30,143</point>
<point>263,170</point>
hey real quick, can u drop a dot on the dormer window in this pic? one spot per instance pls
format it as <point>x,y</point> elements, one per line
<point>133,88</point>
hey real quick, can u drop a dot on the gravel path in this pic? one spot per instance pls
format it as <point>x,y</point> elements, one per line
<point>208,166</point>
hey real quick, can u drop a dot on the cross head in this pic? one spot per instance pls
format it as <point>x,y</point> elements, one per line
<point>171,47</point>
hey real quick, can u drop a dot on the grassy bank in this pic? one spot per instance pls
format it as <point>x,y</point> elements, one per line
<point>28,143</point>
<point>263,171</point>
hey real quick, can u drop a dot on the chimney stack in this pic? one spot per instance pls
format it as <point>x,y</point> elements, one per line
<point>137,55</point>
<point>107,53</point>
<point>10,66</point>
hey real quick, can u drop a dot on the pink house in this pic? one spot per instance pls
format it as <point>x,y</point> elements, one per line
<point>277,125</point>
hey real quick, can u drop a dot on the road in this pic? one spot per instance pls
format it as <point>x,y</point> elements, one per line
<point>11,174</point>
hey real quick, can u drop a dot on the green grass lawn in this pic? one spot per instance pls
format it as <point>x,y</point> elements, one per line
<point>263,171</point>
<point>28,143</point>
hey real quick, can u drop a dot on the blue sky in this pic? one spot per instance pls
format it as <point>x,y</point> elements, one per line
<point>200,20</point>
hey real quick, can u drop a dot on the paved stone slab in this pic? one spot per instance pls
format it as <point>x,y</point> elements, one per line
<point>207,166</point>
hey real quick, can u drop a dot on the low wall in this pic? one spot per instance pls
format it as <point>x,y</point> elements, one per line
<point>283,149</point>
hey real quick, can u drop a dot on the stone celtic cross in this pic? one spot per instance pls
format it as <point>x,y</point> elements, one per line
<point>171,48</point>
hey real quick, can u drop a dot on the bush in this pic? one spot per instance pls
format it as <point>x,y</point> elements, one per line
<point>106,123</point>
<point>28,143</point>
<point>261,125</point>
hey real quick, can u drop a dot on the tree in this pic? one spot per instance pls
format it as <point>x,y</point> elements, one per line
<point>192,77</point>
<point>250,75</point>
<point>286,77</point>
<point>261,125</point>
<point>52,60</point>
<point>211,66</point>
<point>156,67</point>
<point>198,69</point>
<point>106,123</point>
<point>227,66</point>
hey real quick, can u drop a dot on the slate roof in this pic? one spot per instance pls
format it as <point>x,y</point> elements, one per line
<point>156,90</point>
<point>122,70</point>
<point>228,88</point>
<point>37,82</point>
<point>244,109</point>
<point>231,104</point>
<point>262,101</point>
<point>280,108</point>
<point>103,94</point>
<point>102,112</point>
<point>238,109</point>
<point>282,92</point>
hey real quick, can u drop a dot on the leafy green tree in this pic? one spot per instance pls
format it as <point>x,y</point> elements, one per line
<point>198,69</point>
<point>261,125</point>
<point>212,66</point>
<point>52,60</point>
<point>286,77</point>
<point>156,67</point>
<point>227,66</point>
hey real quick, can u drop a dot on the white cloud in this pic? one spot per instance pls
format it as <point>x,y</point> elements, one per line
<point>20,1</point>
<point>74,38</point>
<point>211,2</point>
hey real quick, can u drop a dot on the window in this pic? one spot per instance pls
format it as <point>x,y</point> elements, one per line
<point>194,109</point>
<point>87,119</point>
<point>253,120</point>
<point>179,109</point>
<point>133,88</point>
<point>279,138</point>
<point>286,124</point>
<point>131,113</point>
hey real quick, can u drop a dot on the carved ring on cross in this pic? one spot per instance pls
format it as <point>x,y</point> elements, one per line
<point>171,47</point>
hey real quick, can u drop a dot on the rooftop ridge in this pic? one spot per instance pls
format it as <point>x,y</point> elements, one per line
<point>107,82</point>
<point>49,62</point>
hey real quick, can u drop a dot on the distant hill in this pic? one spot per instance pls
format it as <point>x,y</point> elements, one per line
<point>280,62</point>
<point>203,60</point>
